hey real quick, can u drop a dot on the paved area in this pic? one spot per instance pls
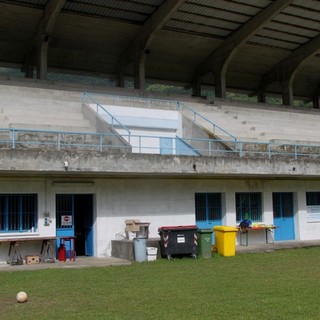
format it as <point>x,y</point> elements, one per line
<point>267,247</point>
<point>80,262</point>
<point>86,262</point>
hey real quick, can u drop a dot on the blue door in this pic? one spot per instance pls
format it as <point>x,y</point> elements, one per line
<point>208,210</point>
<point>74,218</point>
<point>64,218</point>
<point>283,216</point>
<point>88,225</point>
<point>166,146</point>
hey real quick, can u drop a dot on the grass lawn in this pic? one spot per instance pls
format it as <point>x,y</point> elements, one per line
<point>283,284</point>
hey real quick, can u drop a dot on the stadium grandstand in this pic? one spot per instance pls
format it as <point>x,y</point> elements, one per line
<point>166,113</point>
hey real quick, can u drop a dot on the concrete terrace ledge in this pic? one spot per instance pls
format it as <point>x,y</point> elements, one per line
<point>81,163</point>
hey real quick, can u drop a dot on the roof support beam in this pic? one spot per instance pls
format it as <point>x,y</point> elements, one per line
<point>285,71</point>
<point>218,61</point>
<point>138,47</point>
<point>40,42</point>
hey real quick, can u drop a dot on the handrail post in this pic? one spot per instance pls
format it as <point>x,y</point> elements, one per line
<point>59,141</point>
<point>100,142</point>
<point>269,150</point>
<point>240,149</point>
<point>13,139</point>
<point>295,151</point>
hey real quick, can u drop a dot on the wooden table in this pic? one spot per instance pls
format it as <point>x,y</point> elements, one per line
<point>245,232</point>
<point>14,255</point>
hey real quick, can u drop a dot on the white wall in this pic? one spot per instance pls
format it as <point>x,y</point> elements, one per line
<point>146,123</point>
<point>161,202</point>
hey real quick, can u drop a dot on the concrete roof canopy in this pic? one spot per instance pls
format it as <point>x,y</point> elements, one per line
<point>259,47</point>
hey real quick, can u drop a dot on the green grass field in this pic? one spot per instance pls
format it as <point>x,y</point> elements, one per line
<point>278,285</point>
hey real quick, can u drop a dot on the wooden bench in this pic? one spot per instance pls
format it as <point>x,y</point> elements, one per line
<point>14,255</point>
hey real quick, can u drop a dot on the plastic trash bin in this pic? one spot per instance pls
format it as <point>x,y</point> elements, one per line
<point>205,243</point>
<point>140,249</point>
<point>225,240</point>
<point>178,240</point>
<point>152,253</point>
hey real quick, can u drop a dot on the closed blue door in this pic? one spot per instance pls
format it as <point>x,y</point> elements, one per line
<point>208,210</point>
<point>283,216</point>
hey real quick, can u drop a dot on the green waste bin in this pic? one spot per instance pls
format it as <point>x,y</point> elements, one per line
<point>205,243</point>
<point>225,240</point>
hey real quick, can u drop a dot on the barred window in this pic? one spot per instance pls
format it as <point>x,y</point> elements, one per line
<point>313,198</point>
<point>248,205</point>
<point>18,212</point>
<point>208,206</point>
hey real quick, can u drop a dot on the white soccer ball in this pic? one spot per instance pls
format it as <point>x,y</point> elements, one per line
<point>22,297</point>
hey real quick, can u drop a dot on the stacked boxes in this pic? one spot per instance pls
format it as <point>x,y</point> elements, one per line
<point>135,228</point>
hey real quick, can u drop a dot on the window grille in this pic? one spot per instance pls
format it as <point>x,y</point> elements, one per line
<point>282,204</point>
<point>18,213</point>
<point>65,207</point>
<point>248,205</point>
<point>208,206</point>
<point>313,198</point>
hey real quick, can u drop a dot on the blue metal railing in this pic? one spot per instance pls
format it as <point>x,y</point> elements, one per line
<point>101,142</point>
<point>173,105</point>
<point>100,110</point>
<point>212,124</point>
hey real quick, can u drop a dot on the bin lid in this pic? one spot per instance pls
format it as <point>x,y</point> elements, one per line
<point>177,228</point>
<point>205,230</point>
<point>225,228</point>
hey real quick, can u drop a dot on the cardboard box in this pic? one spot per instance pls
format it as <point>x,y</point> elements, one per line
<point>132,225</point>
<point>32,259</point>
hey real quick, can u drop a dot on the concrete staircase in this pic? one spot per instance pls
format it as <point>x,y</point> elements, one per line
<point>42,109</point>
<point>263,124</point>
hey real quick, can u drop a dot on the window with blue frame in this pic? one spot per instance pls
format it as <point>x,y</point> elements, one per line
<point>313,198</point>
<point>18,212</point>
<point>249,206</point>
<point>208,206</point>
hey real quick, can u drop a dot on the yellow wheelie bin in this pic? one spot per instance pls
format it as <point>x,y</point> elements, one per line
<point>225,240</point>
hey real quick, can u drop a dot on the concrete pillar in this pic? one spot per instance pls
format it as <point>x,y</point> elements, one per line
<point>196,87</point>
<point>316,103</point>
<point>262,96</point>
<point>287,92</point>
<point>139,73</point>
<point>28,71</point>
<point>120,81</point>
<point>220,84</point>
<point>42,63</point>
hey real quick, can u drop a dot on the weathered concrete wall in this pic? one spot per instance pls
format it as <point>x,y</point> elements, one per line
<point>15,161</point>
<point>192,130</point>
<point>103,127</point>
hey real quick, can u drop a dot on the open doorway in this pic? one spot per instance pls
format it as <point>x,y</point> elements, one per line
<point>74,218</point>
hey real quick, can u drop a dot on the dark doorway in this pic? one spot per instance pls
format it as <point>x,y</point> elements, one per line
<point>83,210</point>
